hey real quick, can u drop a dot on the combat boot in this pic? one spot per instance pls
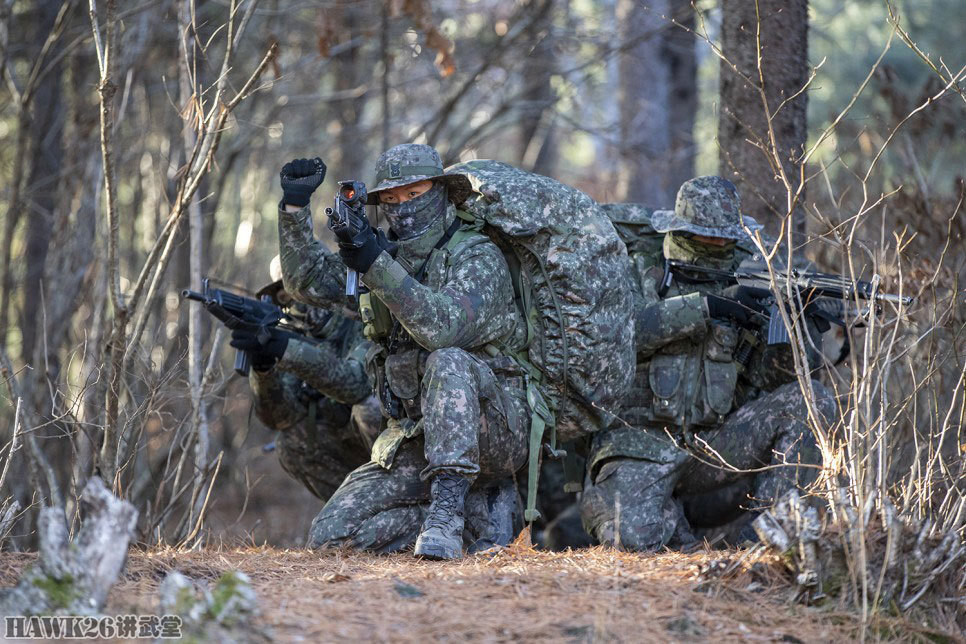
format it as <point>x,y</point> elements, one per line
<point>441,536</point>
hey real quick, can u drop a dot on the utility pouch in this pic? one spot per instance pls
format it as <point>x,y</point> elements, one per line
<point>666,374</point>
<point>637,408</point>
<point>720,375</point>
<point>721,343</point>
<point>403,377</point>
<point>376,317</point>
<point>376,368</point>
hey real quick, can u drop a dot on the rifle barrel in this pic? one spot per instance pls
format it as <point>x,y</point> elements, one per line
<point>193,295</point>
<point>895,299</point>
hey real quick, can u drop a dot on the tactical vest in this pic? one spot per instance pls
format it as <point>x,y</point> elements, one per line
<point>396,363</point>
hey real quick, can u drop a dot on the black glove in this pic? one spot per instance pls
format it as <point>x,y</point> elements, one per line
<point>748,296</point>
<point>265,346</point>
<point>722,308</point>
<point>300,178</point>
<point>361,251</point>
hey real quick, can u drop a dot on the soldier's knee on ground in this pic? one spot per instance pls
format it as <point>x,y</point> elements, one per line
<point>629,505</point>
<point>388,531</point>
<point>327,532</point>
<point>793,401</point>
<point>374,508</point>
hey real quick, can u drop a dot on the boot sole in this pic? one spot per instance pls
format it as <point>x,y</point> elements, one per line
<point>438,553</point>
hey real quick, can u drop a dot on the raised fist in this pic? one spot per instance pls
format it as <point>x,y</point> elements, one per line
<point>300,178</point>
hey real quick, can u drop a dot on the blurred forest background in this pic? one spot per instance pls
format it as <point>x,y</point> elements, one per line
<point>106,370</point>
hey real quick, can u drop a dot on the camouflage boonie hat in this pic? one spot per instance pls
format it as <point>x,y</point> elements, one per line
<point>708,206</point>
<point>411,162</point>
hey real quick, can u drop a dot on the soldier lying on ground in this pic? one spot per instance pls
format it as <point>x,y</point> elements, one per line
<point>441,315</point>
<point>697,420</point>
<point>315,394</point>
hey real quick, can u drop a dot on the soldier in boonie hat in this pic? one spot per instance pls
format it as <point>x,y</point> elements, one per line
<point>706,224</point>
<point>412,189</point>
<point>706,206</point>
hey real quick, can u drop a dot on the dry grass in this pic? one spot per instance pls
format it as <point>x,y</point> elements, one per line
<point>520,593</point>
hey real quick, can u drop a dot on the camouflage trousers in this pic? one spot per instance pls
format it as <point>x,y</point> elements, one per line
<point>642,495</point>
<point>321,453</point>
<point>475,423</point>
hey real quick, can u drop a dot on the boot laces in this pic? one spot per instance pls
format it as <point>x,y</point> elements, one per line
<point>446,502</point>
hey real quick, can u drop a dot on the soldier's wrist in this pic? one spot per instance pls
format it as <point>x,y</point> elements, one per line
<point>384,270</point>
<point>288,209</point>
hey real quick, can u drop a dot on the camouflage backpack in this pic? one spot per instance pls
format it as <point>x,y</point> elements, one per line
<point>570,273</point>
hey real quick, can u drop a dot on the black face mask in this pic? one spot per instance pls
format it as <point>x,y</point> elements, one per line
<point>414,217</point>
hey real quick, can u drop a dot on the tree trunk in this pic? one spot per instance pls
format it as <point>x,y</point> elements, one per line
<point>749,154</point>
<point>350,74</point>
<point>537,147</point>
<point>680,50</point>
<point>642,95</point>
<point>196,262</point>
<point>43,180</point>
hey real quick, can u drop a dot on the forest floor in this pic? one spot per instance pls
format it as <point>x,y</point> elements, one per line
<point>519,593</point>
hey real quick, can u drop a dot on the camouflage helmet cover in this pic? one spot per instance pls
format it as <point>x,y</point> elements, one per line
<point>411,162</point>
<point>708,206</point>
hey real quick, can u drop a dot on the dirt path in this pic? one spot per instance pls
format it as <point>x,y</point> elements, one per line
<point>519,594</point>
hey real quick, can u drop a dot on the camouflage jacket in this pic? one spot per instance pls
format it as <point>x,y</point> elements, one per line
<point>464,299</point>
<point>310,373</point>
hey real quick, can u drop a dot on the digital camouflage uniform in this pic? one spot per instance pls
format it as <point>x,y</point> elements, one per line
<point>655,479</point>
<point>456,405</point>
<point>319,399</point>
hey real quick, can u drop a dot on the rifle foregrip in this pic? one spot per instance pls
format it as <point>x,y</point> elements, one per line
<point>243,363</point>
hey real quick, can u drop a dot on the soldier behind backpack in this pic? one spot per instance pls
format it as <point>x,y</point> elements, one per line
<point>659,467</point>
<point>314,392</point>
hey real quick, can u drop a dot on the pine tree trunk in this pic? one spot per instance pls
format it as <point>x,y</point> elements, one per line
<point>537,145</point>
<point>680,53</point>
<point>351,75</point>
<point>743,126</point>
<point>43,181</point>
<point>644,82</point>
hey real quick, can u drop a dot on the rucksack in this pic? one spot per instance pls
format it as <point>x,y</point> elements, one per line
<point>571,276</point>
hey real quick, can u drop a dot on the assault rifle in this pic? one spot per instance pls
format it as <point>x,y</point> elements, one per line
<point>239,312</point>
<point>809,285</point>
<point>349,214</point>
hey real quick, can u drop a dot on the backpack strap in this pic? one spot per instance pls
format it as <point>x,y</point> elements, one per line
<point>541,416</point>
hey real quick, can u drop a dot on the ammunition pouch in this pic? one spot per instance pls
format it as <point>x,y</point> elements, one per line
<point>720,375</point>
<point>403,372</point>
<point>679,397</point>
<point>665,377</point>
